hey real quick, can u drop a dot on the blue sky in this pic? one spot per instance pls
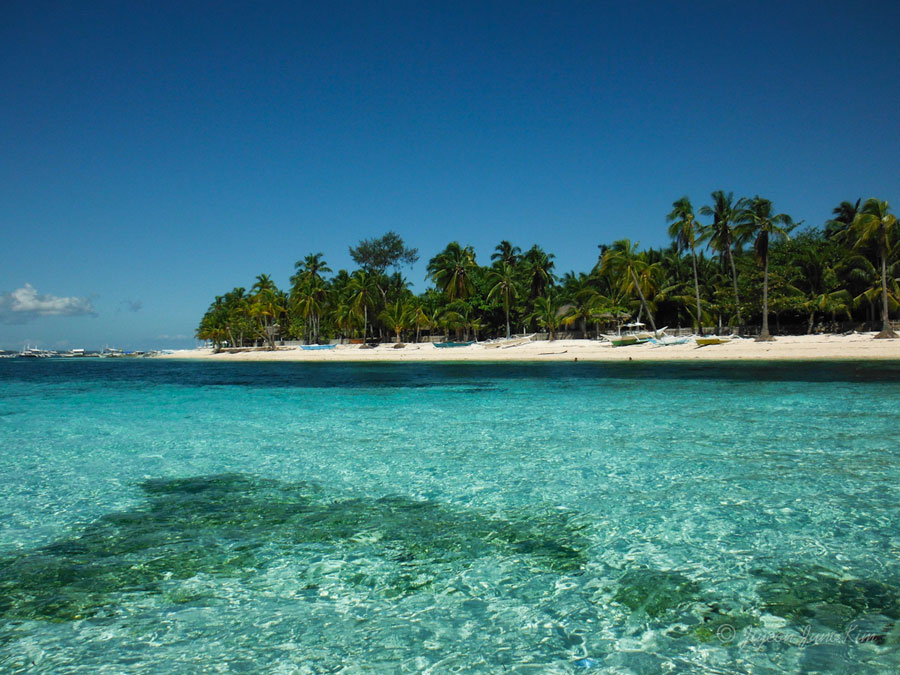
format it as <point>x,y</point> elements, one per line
<point>157,154</point>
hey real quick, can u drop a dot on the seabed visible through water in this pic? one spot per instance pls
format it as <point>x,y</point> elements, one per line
<point>165,516</point>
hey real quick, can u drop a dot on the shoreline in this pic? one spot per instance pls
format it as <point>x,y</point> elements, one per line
<point>854,347</point>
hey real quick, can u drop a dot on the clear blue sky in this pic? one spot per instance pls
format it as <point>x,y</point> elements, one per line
<point>155,154</point>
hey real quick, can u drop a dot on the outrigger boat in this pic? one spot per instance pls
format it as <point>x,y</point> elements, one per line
<point>443,345</point>
<point>635,335</point>
<point>310,347</point>
<point>712,340</point>
<point>506,343</point>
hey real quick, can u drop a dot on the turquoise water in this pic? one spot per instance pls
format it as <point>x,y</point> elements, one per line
<point>162,516</point>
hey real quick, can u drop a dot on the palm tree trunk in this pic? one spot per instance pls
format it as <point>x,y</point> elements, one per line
<point>697,292</point>
<point>737,300</point>
<point>764,333</point>
<point>885,324</point>
<point>886,331</point>
<point>637,285</point>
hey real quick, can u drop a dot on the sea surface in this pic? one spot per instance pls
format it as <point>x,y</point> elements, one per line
<point>165,516</point>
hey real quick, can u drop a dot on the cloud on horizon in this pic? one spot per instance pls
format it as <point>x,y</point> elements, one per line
<point>26,304</point>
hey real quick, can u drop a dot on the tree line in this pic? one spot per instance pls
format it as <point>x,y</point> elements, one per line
<point>747,265</point>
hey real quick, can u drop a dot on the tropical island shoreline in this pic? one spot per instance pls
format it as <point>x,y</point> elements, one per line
<point>821,347</point>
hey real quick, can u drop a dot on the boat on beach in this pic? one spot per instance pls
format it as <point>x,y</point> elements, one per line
<point>712,340</point>
<point>316,347</point>
<point>635,334</point>
<point>506,343</point>
<point>667,340</point>
<point>444,345</point>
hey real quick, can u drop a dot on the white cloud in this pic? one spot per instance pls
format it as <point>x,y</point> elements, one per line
<point>25,304</point>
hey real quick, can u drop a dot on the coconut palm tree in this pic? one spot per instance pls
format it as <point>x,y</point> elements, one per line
<point>757,222</point>
<point>720,234</point>
<point>685,230</point>
<point>311,267</point>
<point>452,269</point>
<point>844,215</point>
<point>506,252</point>
<point>361,290</point>
<point>635,274</point>
<point>875,224</point>
<point>547,314</point>
<point>309,298</point>
<point>539,270</point>
<point>502,281</point>
<point>398,316</point>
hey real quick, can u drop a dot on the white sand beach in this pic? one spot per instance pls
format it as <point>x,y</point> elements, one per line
<point>856,346</point>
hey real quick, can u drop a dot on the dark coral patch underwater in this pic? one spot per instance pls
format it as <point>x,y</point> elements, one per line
<point>235,525</point>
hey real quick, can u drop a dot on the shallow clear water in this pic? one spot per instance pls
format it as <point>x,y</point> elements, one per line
<point>160,516</point>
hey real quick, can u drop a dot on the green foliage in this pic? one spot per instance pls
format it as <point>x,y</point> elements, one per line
<point>377,255</point>
<point>849,270</point>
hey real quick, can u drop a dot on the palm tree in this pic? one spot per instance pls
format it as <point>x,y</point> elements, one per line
<point>452,269</point>
<point>502,280</point>
<point>460,315</point>
<point>539,270</point>
<point>309,298</point>
<point>311,267</point>
<point>757,222</point>
<point>506,252</point>
<point>547,314</point>
<point>266,306</point>
<point>419,317</point>
<point>361,291</point>
<point>634,273</point>
<point>844,215</point>
<point>398,316</point>
<point>720,234</point>
<point>685,230</point>
<point>875,224</point>
<point>346,318</point>
<point>586,304</point>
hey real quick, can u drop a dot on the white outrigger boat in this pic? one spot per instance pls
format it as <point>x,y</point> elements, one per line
<point>506,343</point>
<point>636,333</point>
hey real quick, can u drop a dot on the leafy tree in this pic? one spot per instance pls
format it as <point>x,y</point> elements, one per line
<point>377,255</point>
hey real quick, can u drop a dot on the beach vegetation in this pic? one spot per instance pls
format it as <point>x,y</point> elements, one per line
<point>734,264</point>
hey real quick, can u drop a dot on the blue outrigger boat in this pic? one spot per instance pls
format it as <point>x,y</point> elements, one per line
<point>317,346</point>
<point>454,344</point>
